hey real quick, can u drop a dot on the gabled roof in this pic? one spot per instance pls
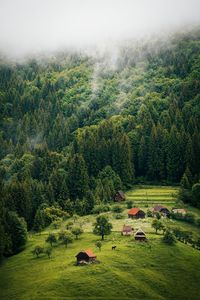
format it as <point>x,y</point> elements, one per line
<point>140,232</point>
<point>133,211</point>
<point>121,193</point>
<point>88,252</point>
<point>159,207</point>
<point>127,228</point>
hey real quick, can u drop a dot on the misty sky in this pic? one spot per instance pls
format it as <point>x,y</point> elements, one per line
<point>40,25</point>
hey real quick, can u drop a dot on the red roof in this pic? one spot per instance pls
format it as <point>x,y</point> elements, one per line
<point>133,211</point>
<point>89,253</point>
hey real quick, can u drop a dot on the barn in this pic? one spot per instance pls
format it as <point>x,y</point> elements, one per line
<point>140,235</point>
<point>161,209</point>
<point>86,256</point>
<point>136,213</point>
<point>126,230</point>
<point>119,196</point>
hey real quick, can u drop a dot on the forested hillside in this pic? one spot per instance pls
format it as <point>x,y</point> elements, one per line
<point>74,128</point>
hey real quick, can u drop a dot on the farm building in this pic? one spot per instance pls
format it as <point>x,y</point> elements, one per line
<point>86,256</point>
<point>140,235</point>
<point>126,230</point>
<point>180,211</point>
<point>136,213</point>
<point>119,196</point>
<point>161,209</point>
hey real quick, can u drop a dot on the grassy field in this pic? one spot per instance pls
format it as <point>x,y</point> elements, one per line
<point>153,194</point>
<point>134,270</point>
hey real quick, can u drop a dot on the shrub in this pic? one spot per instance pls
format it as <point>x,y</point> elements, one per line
<point>119,216</point>
<point>117,209</point>
<point>129,204</point>
<point>149,213</point>
<point>169,238</point>
<point>38,250</point>
<point>98,245</point>
<point>190,218</point>
<point>69,225</point>
<point>100,208</point>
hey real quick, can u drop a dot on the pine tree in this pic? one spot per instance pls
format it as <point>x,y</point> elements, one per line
<point>78,181</point>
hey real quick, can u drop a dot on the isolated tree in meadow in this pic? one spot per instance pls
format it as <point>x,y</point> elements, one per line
<point>157,225</point>
<point>51,239</point>
<point>77,231</point>
<point>38,250</point>
<point>102,226</point>
<point>66,237</point>
<point>98,245</point>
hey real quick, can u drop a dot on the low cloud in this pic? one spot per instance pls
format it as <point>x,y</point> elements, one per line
<point>32,26</point>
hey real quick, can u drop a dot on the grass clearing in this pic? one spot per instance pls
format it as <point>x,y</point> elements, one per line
<point>134,270</point>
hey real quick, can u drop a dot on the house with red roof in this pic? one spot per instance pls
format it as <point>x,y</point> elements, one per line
<point>136,213</point>
<point>86,256</point>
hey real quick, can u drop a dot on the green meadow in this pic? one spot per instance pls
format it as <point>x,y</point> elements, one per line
<point>135,270</point>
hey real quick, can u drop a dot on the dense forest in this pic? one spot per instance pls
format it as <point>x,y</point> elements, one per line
<point>75,128</point>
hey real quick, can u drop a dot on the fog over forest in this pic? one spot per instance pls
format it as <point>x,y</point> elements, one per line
<point>34,26</point>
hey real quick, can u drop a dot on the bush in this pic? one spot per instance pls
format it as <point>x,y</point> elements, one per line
<point>119,216</point>
<point>149,214</point>
<point>69,225</point>
<point>100,208</point>
<point>198,222</point>
<point>169,238</point>
<point>190,218</point>
<point>129,204</point>
<point>38,250</point>
<point>117,209</point>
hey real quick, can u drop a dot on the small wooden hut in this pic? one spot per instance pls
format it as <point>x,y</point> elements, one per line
<point>161,209</point>
<point>140,235</point>
<point>126,230</point>
<point>136,213</point>
<point>180,211</point>
<point>119,196</point>
<point>86,256</point>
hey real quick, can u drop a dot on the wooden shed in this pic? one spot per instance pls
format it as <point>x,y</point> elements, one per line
<point>180,211</point>
<point>136,213</point>
<point>140,235</point>
<point>119,196</point>
<point>161,209</point>
<point>86,256</point>
<point>126,230</point>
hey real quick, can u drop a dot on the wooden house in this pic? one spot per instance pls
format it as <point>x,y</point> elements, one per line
<point>136,213</point>
<point>126,230</point>
<point>140,235</point>
<point>161,209</point>
<point>119,196</point>
<point>180,211</point>
<point>86,256</point>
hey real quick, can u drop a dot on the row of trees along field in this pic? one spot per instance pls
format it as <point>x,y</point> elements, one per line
<point>72,133</point>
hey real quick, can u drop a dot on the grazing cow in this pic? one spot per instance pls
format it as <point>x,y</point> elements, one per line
<point>114,247</point>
